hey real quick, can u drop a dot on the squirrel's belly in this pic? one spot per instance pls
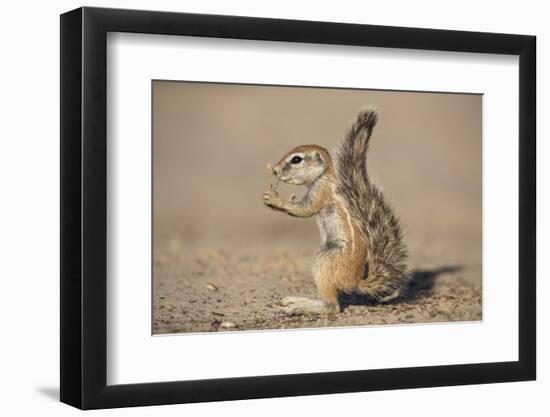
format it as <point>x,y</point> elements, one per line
<point>332,228</point>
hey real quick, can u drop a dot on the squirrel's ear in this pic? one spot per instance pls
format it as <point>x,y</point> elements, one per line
<point>318,157</point>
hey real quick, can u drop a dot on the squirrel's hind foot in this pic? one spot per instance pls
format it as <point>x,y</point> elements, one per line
<point>295,306</point>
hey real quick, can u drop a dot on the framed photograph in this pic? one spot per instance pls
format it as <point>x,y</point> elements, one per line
<point>258,208</point>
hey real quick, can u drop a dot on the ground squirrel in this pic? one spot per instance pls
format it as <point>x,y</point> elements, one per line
<point>362,250</point>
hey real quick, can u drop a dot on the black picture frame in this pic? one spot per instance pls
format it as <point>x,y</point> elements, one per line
<point>84,207</point>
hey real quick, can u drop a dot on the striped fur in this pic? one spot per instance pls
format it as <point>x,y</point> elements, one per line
<point>387,254</point>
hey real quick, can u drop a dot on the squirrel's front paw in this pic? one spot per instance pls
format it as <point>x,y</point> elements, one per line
<point>271,199</point>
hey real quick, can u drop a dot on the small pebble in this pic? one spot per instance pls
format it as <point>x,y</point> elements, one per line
<point>228,325</point>
<point>211,287</point>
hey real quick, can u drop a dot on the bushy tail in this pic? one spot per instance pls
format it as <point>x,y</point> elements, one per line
<point>351,160</point>
<point>387,254</point>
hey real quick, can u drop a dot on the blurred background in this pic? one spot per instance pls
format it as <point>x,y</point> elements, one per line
<point>212,143</point>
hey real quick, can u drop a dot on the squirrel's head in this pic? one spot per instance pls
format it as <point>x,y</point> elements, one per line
<point>303,165</point>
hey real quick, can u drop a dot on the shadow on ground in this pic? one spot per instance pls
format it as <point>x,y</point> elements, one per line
<point>421,283</point>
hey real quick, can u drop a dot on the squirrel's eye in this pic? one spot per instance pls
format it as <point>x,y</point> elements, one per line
<point>296,160</point>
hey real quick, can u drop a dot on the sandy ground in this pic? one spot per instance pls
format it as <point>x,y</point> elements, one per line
<point>226,290</point>
<point>222,261</point>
